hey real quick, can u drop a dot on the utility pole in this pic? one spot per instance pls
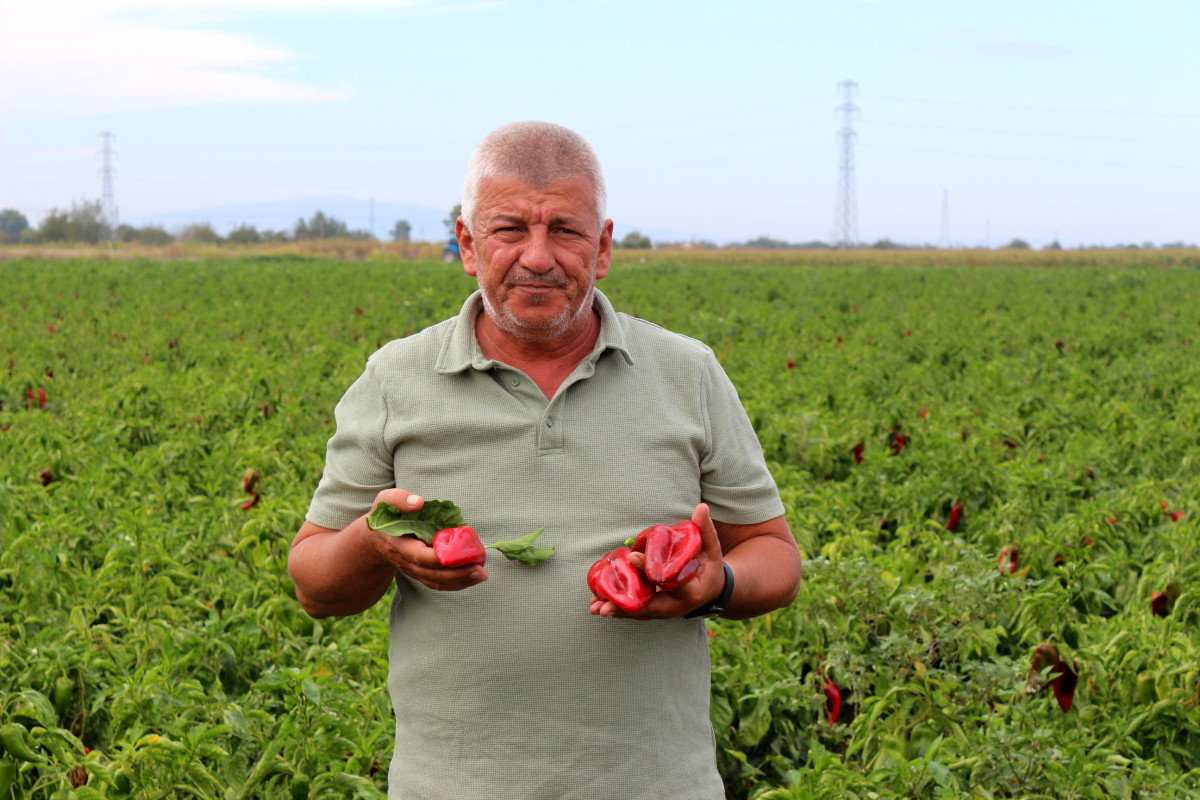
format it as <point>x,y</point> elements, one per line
<point>845,220</point>
<point>108,206</point>
<point>945,238</point>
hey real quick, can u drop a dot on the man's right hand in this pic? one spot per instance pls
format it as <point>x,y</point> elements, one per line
<point>415,559</point>
<point>339,573</point>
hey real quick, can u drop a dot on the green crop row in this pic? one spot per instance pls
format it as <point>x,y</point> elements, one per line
<point>151,645</point>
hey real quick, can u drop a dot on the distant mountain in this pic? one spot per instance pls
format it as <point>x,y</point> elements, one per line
<point>427,223</point>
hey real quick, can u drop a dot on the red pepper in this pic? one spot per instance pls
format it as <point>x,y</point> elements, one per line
<point>955,515</point>
<point>671,552</point>
<point>1064,685</point>
<point>614,579</point>
<point>458,547</point>
<point>833,701</point>
<point>1174,515</point>
<point>1009,554</point>
<point>857,450</point>
<point>1162,603</point>
<point>1044,655</point>
<point>1062,679</point>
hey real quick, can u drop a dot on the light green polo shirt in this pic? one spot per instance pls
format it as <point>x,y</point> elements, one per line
<point>511,689</point>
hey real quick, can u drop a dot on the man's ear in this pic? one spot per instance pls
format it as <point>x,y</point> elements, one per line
<point>466,246</point>
<point>604,257</point>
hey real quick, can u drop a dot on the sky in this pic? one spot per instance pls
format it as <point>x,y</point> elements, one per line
<point>975,123</point>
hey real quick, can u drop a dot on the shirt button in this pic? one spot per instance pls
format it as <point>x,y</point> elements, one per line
<point>516,381</point>
<point>549,424</point>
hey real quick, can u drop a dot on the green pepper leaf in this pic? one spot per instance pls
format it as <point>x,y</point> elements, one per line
<point>522,549</point>
<point>422,523</point>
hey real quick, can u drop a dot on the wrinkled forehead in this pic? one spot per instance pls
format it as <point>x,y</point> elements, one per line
<point>563,198</point>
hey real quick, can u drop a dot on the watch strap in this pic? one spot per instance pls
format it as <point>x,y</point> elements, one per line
<point>717,606</point>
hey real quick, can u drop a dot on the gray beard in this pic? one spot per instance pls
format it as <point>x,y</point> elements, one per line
<point>541,333</point>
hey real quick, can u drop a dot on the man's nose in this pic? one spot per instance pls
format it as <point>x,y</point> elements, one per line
<point>537,255</point>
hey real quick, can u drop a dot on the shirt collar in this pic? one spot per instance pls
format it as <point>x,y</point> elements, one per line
<point>461,349</point>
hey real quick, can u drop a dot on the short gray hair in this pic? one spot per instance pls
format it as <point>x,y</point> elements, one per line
<point>537,153</point>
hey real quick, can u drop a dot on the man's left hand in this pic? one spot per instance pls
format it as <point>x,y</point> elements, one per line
<point>704,587</point>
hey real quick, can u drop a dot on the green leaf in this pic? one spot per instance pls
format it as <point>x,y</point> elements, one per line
<point>311,690</point>
<point>522,549</point>
<point>422,523</point>
<point>754,727</point>
<point>34,704</point>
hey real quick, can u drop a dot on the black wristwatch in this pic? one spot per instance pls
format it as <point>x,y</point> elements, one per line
<point>716,607</point>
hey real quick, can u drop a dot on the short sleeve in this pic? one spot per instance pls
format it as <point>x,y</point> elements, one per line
<point>734,479</point>
<point>357,463</point>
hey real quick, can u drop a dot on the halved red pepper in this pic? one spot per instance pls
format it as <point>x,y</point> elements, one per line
<point>457,547</point>
<point>671,552</point>
<point>614,579</point>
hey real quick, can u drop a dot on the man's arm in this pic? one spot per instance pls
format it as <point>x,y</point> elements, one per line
<point>340,573</point>
<point>766,567</point>
<point>764,559</point>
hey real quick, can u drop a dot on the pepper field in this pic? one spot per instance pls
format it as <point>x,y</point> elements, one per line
<point>151,646</point>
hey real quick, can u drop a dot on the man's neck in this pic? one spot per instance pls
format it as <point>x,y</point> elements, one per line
<point>548,363</point>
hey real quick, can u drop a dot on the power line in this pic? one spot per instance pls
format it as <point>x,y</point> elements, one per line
<point>1039,109</point>
<point>1035,159</point>
<point>845,220</point>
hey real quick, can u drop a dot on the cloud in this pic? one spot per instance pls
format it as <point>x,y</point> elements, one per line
<point>994,43</point>
<point>81,57</point>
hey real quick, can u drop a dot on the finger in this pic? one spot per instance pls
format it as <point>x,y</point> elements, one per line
<point>446,583</point>
<point>418,561</point>
<point>401,499</point>
<point>703,521</point>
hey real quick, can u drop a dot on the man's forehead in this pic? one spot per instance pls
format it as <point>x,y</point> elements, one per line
<point>504,195</point>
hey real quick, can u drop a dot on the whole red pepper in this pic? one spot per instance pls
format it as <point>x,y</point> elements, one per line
<point>833,701</point>
<point>614,579</point>
<point>1064,684</point>
<point>671,552</point>
<point>955,515</point>
<point>1008,558</point>
<point>457,547</point>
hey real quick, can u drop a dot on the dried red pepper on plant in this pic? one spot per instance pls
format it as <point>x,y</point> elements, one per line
<point>1062,678</point>
<point>833,701</point>
<point>1008,559</point>
<point>955,515</point>
<point>1162,603</point>
<point>1174,515</point>
<point>1064,685</point>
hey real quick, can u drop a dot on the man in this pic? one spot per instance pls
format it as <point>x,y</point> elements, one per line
<point>539,405</point>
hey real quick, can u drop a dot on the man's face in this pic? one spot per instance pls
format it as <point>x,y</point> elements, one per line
<point>537,254</point>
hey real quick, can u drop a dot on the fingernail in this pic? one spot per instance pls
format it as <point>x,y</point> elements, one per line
<point>414,498</point>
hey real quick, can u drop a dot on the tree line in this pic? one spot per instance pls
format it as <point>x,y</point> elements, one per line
<point>86,223</point>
